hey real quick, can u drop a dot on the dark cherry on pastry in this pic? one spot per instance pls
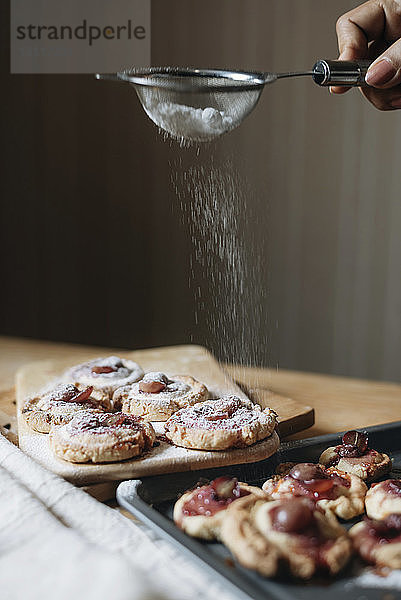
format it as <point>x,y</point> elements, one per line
<point>263,534</point>
<point>199,512</point>
<point>354,444</point>
<point>331,489</point>
<point>156,396</point>
<point>59,405</point>
<point>298,518</point>
<point>101,370</point>
<point>292,516</point>
<point>153,383</point>
<point>105,374</point>
<point>68,393</point>
<point>379,541</point>
<point>314,482</point>
<point>353,455</point>
<point>209,499</point>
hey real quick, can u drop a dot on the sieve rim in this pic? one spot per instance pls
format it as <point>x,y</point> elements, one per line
<point>146,77</point>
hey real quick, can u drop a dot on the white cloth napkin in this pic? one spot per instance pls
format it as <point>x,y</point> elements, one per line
<point>58,542</point>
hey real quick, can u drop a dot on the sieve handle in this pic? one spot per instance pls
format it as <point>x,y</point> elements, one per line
<point>341,72</point>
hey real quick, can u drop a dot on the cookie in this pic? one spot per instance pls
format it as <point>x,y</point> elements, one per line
<point>227,422</point>
<point>354,456</point>
<point>104,374</point>
<point>294,531</point>
<point>101,437</point>
<point>379,541</point>
<point>156,397</point>
<point>200,511</point>
<point>330,489</point>
<point>59,405</point>
<point>384,499</point>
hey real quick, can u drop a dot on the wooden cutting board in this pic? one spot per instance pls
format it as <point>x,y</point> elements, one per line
<point>164,458</point>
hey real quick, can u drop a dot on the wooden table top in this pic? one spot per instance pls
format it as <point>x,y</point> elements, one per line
<point>340,403</point>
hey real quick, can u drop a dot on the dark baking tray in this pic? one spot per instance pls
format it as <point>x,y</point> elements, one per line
<point>151,500</point>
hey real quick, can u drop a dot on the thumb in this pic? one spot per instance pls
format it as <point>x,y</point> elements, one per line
<point>385,72</point>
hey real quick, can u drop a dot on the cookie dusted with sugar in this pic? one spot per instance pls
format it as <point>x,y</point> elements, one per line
<point>330,489</point>
<point>104,374</point>
<point>156,397</point>
<point>384,499</point>
<point>221,424</point>
<point>59,405</point>
<point>354,456</point>
<point>102,437</point>
<point>262,534</point>
<point>379,541</point>
<point>200,511</point>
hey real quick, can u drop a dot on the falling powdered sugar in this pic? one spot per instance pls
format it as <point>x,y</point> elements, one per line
<point>228,264</point>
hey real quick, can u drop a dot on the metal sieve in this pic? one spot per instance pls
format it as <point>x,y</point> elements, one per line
<point>202,104</point>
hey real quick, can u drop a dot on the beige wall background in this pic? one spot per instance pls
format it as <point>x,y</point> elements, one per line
<point>94,245</point>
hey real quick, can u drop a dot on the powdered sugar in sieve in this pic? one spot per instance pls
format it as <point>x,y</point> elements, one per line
<point>187,122</point>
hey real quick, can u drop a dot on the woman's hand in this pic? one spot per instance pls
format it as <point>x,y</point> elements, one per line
<point>373,30</point>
